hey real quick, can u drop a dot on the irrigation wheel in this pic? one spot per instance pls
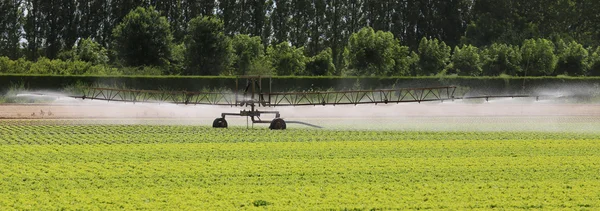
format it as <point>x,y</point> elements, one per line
<point>277,124</point>
<point>220,123</point>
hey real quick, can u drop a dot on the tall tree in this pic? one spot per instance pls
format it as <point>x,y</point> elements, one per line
<point>354,16</point>
<point>378,14</point>
<point>173,11</point>
<point>301,11</point>
<point>143,38</point>
<point>195,8</point>
<point>267,29</point>
<point>229,14</point>
<point>34,29</point>
<point>119,9</point>
<point>257,12</point>
<point>51,25</point>
<point>280,20</point>
<point>92,17</point>
<point>11,23</point>
<point>207,48</point>
<point>318,27</point>
<point>586,22</point>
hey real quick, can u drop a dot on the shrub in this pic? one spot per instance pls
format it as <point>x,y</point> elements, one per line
<point>54,67</point>
<point>90,51</point>
<point>538,57</point>
<point>594,63</point>
<point>14,66</point>
<point>406,62</point>
<point>321,64</point>
<point>466,61</point>
<point>433,56</point>
<point>371,53</point>
<point>501,59</point>
<point>286,59</point>
<point>572,59</point>
<point>246,50</point>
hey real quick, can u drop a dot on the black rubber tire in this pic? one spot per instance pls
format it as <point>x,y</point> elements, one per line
<point>220,123</point>
<point>277,124</point>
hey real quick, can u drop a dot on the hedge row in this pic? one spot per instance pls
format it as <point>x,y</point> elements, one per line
<point>480,85</point>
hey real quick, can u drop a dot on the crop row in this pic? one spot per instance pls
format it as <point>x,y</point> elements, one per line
<point>151,134</point>
<point>106,167</point>
<point>303,175</point>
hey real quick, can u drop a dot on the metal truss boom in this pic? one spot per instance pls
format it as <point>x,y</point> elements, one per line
<point>353,97</point>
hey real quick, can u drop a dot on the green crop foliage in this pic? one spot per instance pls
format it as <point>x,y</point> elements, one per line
<point>68,164</point>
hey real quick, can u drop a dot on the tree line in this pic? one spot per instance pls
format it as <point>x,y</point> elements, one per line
<point>301,37</point>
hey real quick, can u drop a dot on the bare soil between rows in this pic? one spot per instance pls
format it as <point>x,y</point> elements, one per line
<point>144,111</point>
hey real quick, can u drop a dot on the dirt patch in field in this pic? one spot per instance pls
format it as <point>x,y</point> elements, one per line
<point>433,116</point>
<point>128,110</point>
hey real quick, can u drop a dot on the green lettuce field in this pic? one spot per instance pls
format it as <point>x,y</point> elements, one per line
<point>57,164</point>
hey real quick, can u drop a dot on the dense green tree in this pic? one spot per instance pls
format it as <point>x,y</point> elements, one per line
<point>246,51</point>
<point>572,58</point>
<point>501,59</point>
<point>434,56</point>
<point>465,61</point>
<point>538,57</point>
<point>321,64</point>
<point>143,38</point>
<point>286,59</point>
<point>207,48</point>
<point>371,53</point>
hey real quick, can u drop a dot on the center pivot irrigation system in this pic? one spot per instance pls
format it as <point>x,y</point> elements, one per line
<point>253,95</point>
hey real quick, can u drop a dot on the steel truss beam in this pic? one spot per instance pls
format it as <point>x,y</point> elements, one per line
<point>276,98</point>
<point>384,96</point>
<point>152,96</point>
<point>379,96</point>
